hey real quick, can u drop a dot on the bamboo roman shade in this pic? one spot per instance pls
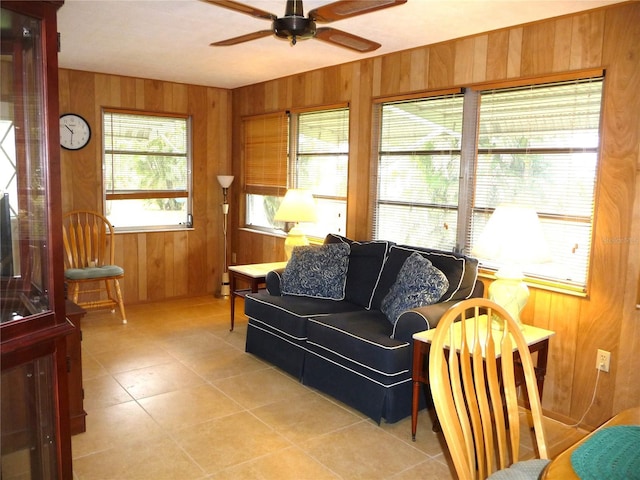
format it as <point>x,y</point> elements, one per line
<point>265,144</point>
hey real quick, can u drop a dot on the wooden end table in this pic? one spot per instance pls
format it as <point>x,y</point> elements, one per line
<point>536,338</point>
<point>254,274</point>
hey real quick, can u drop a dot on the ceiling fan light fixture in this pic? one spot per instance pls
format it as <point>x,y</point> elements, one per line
<point>289,27</point>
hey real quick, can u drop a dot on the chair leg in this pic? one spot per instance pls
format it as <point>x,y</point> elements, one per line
<point>75,291</point>
<point>107,287</point>
<point>120,301</point>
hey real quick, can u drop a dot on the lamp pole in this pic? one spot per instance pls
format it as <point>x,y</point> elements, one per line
<point>225,182</point>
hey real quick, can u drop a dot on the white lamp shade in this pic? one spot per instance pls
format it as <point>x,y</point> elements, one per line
<point>298,205</point>
<point>225,181</point>
<point>513,234</point>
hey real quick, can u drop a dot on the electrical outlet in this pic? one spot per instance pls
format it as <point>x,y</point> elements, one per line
<point>603,360</point>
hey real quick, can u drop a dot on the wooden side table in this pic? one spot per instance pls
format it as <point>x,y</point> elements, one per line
<point>254,274</point>
<point>536,338</point>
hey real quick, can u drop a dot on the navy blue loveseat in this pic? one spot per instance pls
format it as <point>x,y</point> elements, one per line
<point>348,347</point>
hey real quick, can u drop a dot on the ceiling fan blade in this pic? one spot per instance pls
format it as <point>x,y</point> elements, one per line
<point>347,40</point>
<point>242,38</point>
<point>242,8</point>
<point>350,8</point>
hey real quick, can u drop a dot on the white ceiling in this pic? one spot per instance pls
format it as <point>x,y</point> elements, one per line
<point>169,39</point>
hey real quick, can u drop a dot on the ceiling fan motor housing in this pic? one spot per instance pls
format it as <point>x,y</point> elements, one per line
<point>294,27</point>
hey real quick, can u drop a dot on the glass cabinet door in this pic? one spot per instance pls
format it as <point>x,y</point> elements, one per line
<point>23,168</point>
<point>28,421</point>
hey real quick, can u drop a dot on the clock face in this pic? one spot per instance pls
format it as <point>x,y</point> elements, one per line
<point>75,132</point>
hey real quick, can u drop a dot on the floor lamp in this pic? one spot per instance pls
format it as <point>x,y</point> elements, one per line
<point>225,182</point>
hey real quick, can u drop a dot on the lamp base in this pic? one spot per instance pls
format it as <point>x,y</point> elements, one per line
<point>295,238</point>
<point>511,293</point>
<point>224,288</point>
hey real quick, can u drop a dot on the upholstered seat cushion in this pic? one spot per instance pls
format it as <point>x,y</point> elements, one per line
<point>288,314</point>
<point>362,341</point>
<point>93,272</point>
<point>525,470</point>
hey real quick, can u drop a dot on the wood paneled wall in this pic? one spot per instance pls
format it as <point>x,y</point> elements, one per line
<point>167,264</point>
<point>605,38</point>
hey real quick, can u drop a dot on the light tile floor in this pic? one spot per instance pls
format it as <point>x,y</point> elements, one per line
<point>173,395</point>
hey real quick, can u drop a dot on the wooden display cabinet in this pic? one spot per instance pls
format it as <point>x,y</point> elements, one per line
<point>77,415</point>
<point>35,430</point>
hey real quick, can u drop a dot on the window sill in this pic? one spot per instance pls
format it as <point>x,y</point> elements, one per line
<point>119,231</point>
<point>279,234</point>
<point>265,231</point>
<point>540,284</point>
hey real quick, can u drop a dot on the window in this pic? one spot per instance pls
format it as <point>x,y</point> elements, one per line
<point>147,170</point>
<point>320,142</point>
<point>418,171</point>
<point>534,146</point>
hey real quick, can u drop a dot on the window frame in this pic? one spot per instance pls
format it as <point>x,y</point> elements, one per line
<point>292,174</point>
<point>142,194</point>
<point>447,95</point>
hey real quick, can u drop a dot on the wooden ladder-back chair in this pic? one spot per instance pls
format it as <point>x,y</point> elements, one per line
<point>90,260</point>
<point>475,394</point>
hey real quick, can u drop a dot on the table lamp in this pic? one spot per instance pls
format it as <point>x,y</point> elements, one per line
<point>297,206</point>
<point>225,182</point>
<point>512,238</point>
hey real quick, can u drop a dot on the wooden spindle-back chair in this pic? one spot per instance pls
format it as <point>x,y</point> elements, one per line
<point>472,374</point>
<point>89,259</point>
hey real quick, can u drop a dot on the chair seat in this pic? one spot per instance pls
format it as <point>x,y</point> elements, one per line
<point>526,470</point>
<point>90,273</point>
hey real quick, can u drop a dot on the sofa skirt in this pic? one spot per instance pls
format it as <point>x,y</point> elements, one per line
<point>276,347</point>
<point>376,400</point>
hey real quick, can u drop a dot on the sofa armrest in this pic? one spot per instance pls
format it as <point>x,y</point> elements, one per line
<point>427,317</point>
<point>273,281</point>
<point>419,319</point>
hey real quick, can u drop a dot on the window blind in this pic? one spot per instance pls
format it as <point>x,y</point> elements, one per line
<point>265,146</point>
<point>145,153</point>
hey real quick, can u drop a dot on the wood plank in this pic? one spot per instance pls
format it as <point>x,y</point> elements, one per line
<point>497,54</point>
<point>441,66</point>
<point>464,62</point>
<point>562,45</point>
<point>586,40</point>
<point>514,54</point>
<point>537,43</point>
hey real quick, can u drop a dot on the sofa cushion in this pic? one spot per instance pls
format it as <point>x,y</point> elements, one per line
<point>418,284</point>
<point>365,266</point>
<point>288,315</point>
<point>461,272</point>
<point>318,271</point>
<point>361,341</point>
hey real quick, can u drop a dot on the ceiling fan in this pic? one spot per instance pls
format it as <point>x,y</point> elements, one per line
<point>295,26</point>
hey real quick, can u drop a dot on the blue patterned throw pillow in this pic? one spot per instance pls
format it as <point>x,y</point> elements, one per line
<point>419,283</point>
<point>317,271</point>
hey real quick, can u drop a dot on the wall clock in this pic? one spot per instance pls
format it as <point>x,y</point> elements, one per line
<point>75,131</point>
